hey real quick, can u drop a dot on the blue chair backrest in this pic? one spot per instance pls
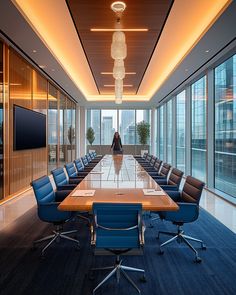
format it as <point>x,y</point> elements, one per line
<point>84,160</point>
<point>79,165</point>
<point>59,176</point>
<point>89,159</point>
<point>95,154</point>
<point>91,155</point>
<point>70,169</point>
<point>43,190</point>
<point>117,217</point>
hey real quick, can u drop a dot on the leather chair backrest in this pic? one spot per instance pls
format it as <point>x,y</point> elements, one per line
<point>59,176</point>
<point>153,161</point>
<point>158,164</point>
<point>84,160</point>
<point>91,155</point>
<point>89,159</point>
<point>70,169</point>
<point>148,159</point>
<point>145,156</point>
<point>165,169</point>
<point>192,190</point>
<point>43,190</point>
<point>117,216</point>
<point>175,177</point>
<point>79,165</point>
<point>95,154</point>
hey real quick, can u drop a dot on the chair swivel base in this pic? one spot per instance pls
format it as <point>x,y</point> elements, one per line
<point>117,271</point>
<point>181,237</point>
<point>56,236</point>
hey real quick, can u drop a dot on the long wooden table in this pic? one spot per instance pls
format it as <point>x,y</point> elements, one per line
<point>120,180</point>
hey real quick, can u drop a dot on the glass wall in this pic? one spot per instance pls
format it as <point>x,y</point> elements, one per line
<point>225,126</point>
<point>108,126</point>
<point>52,127</point>
<point>93,120</point>
<point>180,131</point>
<point>73,132</point>
<point>142,115</point>
<point>62,148</point>
<point>198,152</point>
<point>169,135</point>
<point>127,126</point>
<point>161,132</point>
<point>1,120</point>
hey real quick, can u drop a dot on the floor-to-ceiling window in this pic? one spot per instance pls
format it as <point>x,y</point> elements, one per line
<point>62,147</point>
<point>1,120</point>
<point>93,120</point>
<point>225,126</point>
<point>169,133</point>
<point>161,132</point>
<point>198,147</point>
<point>180,131</point>
<point>73,133</point>
<point>108,126</point>
<point>52,127</point>
<point>127,126</point>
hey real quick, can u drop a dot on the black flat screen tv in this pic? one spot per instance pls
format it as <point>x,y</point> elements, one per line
<point>29,129</point>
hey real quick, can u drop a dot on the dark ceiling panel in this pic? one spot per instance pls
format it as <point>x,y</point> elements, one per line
<point>150,14</point>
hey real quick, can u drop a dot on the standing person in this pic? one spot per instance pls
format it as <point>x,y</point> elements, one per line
<point>116,144</point>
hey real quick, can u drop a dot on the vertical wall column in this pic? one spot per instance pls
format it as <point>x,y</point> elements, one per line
<point>77,133</point>
<point>82,139</point>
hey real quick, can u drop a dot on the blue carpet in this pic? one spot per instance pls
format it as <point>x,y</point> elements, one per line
<point>64,271</point>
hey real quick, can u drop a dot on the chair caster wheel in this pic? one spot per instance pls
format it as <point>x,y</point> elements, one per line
<point>198,260</point>
<point>143,279</point>
<point>204,247</point>
<point>161,252</point>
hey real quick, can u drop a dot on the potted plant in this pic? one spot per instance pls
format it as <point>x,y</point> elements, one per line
<point>90,136</point>
<point>143,130</point>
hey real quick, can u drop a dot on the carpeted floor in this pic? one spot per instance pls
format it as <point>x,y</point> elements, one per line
<point>64,270</point>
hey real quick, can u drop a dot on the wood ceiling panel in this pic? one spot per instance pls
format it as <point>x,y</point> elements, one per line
<point>150,14</point>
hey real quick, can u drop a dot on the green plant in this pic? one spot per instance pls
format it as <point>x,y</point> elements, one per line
<point>143,130</point>
<point>90,135</point>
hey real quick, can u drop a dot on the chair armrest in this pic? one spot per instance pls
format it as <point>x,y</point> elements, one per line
<point>188,212</point>
<point>75,180</point>
<point>162,181</point>
<point>169,187</point>
<point>61,195</point>
<point>66,187</point>
<point>175,195</point>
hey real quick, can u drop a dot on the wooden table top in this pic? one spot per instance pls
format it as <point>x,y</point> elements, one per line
<point>118,179</point>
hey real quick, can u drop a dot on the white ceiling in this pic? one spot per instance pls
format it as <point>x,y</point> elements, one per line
<point>223,32</point>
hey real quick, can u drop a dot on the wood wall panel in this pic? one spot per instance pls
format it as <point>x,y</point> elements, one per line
<point>39,156</point>
<point>20,78</point>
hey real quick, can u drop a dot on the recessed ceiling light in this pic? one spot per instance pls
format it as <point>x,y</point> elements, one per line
<point>42,66</point>
<point>34,51</point>
<point>110,73</point>
<point>207,50</point>
<point>115,30</point>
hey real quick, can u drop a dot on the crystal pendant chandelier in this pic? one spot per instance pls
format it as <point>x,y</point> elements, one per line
<point>118,53</point>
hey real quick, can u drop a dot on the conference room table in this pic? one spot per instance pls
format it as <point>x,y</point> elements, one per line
<point>118,179</point>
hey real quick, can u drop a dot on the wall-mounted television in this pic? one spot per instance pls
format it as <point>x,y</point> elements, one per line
<point>29,129</point>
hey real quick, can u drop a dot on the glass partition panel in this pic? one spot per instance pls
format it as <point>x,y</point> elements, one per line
<point>127,126</point>
<point>180,131</point>
<point>199,129</point>
<point>69,131</point>
<point>108,126</point>
<point>225,126</point>
<point>73,143</point>
<point>62,147</point>
<point>52,128</point>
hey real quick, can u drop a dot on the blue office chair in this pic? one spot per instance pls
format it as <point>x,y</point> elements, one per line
<point>163,174</point>
<point>173,182</point>
<point>81,170</point>
<point>48,201</point>
<point>72,173</point>
<point>155,169</point>
<point>117,228</point>
<point>188,202</point>
<point>62,182</point>
<point>86,163</point>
